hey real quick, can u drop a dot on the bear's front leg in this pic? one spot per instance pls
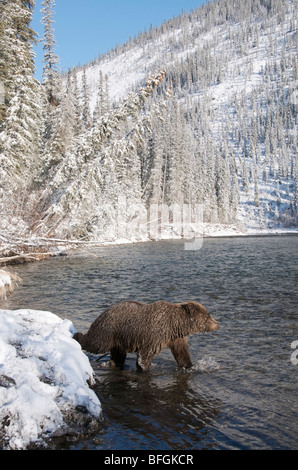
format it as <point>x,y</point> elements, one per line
<point>180,350</point>
<point>118,357</point>
<point>144,361</point>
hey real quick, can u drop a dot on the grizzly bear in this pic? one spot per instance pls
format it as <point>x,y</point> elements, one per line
<point>146,329</point>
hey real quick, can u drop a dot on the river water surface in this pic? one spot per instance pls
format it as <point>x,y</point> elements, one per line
<point>242,390</point>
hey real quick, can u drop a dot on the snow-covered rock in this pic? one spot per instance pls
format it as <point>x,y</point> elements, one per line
<point>45,379</point>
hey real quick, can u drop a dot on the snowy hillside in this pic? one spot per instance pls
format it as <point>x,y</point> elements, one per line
<point>234,83</point>
<point>209,147</point>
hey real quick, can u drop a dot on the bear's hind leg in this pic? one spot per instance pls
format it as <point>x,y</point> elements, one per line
<point>180,350</point>
<point>118,357</point>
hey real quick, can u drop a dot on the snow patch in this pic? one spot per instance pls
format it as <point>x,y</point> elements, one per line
<point>44,379</point>
<point>7,283</point>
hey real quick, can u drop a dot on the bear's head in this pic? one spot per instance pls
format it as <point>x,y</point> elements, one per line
<point>198,317</point>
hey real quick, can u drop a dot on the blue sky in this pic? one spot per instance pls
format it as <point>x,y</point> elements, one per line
<point>84,29</point>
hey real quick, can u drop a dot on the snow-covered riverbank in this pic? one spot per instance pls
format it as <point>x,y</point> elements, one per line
<point>45,379</point>
<point>14,250</point>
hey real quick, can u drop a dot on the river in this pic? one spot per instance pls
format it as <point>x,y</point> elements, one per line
<point>242,390</point>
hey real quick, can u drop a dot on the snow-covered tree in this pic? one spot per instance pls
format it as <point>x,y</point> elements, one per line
<point>51,81</point>
<point>86,114</point>
<point>16,57</point>
<point>102,103</point>
<point>20,136</point>
<point>20,133</point>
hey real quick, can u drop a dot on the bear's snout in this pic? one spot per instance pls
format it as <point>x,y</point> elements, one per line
<point>214,325</point>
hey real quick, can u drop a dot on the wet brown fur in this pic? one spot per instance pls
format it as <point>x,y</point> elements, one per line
<point>146,329</point>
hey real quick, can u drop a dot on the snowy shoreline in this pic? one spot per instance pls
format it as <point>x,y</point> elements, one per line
<point>45,378</point>
<point>219,232</point>
<point>37,248</point>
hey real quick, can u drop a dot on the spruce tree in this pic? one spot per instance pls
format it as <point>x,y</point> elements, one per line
<point>86,115</point>
<point>20,137</point>
<point>55,95</point>
<point>102,102</point>
<point>50,69</point>
<point>16,58</point>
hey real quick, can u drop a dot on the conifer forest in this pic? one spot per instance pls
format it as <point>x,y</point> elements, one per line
<point>201,110</point>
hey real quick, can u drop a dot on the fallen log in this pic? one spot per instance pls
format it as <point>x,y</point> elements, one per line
<point>25,257</point>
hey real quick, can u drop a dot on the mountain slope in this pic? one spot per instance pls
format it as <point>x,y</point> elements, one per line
<point>212,143</point>
<point>233,70</point>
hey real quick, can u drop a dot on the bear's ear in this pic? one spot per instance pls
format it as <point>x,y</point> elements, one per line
<point>185,307</point>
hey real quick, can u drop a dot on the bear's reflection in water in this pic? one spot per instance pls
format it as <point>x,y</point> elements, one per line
<point>163,405</point>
